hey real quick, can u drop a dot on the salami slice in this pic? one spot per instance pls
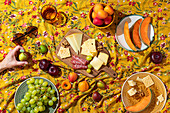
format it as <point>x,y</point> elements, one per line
<point>79,66</point>
<point>83,61</point>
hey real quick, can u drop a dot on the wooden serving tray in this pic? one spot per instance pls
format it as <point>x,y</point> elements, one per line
<point>94,72</point>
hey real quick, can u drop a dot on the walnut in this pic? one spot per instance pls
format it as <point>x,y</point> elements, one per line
<point>100,48</point>
<point>65,44</point>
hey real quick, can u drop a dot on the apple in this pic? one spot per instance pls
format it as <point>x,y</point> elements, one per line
<point>97,21</point>
<point>97,96</point>
<point>107,20</point>
<point>23,56</point>
<point>44,64</point>
<point>101,84</point>
<point>72,77</point>
<point>43,48</point>
<point>53,70</point>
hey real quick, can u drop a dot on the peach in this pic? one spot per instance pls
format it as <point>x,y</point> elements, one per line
<point>107,20</point>
<point>94,15</point>
<point>97,21</point>
<point>101,14</point>
<point>83,86</point>
<point>109,9</point>
<point>97,7</point>
<point>72,77</point>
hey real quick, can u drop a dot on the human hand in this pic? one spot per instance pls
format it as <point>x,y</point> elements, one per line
<point>10,59</point>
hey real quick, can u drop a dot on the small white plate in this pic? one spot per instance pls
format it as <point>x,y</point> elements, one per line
<point>131,21</point>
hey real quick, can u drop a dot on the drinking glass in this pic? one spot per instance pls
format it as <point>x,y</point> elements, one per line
<point>49,14</point>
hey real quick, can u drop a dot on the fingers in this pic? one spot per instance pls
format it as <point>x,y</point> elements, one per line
<point>17,48</point>
<point>19,63</point>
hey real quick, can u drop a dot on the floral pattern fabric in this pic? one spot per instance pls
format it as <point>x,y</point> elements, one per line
<point>17,15</point>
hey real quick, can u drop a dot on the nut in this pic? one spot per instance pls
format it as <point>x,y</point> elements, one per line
<point>100,48</point>
<point>65,44</point>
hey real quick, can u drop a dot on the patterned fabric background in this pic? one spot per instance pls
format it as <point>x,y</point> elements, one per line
<point>17,15</point>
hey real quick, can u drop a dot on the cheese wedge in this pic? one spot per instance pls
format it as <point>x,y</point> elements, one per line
<point>147,81</point>
<point>64,52</point>
<point>72,42</point>
<point>96,63</point>
<point>132,91</point>
<point>75,41</point>
<point>131,83</point>
<point>103,57</point>
<point>78,39</point>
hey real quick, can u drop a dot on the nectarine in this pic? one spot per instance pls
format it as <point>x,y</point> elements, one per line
<point>107,20</point>
<point>101,14</point>
<point>72,77</point>
<point>97,21</point>
<point>109,9</point>
<point>98,7</point>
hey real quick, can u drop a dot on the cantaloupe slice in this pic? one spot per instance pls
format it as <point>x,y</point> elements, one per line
<point>142,104</point>
<point>143,30</point>
<point>127,37</point>
<point>135,34</point>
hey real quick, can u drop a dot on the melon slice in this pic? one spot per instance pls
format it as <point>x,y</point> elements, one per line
<point>143,31</point>
<point>135,34</point>
<point>142,104</point>
<point>127,37</point>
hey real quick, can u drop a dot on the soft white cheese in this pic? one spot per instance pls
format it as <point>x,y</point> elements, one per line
<point>132,91</point>
<point>160,98</point>
<point>147,81</point>
<point>131,83</point>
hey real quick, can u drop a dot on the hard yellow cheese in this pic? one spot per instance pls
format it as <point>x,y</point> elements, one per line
<point>78,39</point>
<point>89,47</point>
<point>103,57</point>
<point>96,63</point>
<point>72,42</point>
<point>75,41</point>
<point>64,52</point>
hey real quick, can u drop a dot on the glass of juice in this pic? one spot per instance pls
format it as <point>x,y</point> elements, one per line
<point>50,15</point>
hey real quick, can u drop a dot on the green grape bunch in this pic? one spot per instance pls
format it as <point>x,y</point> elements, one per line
<point>38,98</point>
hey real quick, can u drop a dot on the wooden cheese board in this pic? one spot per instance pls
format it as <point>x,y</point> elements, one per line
<point>67,61</point>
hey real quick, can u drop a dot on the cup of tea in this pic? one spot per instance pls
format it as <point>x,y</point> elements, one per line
<point>49,14</point>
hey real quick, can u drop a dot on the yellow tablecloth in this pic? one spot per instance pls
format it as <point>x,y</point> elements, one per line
<point>17,15</point>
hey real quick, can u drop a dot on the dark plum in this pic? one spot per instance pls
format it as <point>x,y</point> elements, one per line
<point>53,70</point>
<point>156,57</point>
<point>97,96</point>
<point>44,64</point>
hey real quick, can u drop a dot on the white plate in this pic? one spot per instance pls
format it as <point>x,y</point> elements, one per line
<point>153,107</point>
<point>131,21</point>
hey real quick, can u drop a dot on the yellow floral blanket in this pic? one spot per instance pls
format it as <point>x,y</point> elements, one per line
<point>17,15</point>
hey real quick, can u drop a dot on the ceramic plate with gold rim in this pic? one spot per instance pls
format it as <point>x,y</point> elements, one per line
<point>157,88</point>
<point>131,19</point>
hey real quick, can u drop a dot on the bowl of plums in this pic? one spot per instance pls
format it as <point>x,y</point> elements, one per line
<point>36,94</point>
